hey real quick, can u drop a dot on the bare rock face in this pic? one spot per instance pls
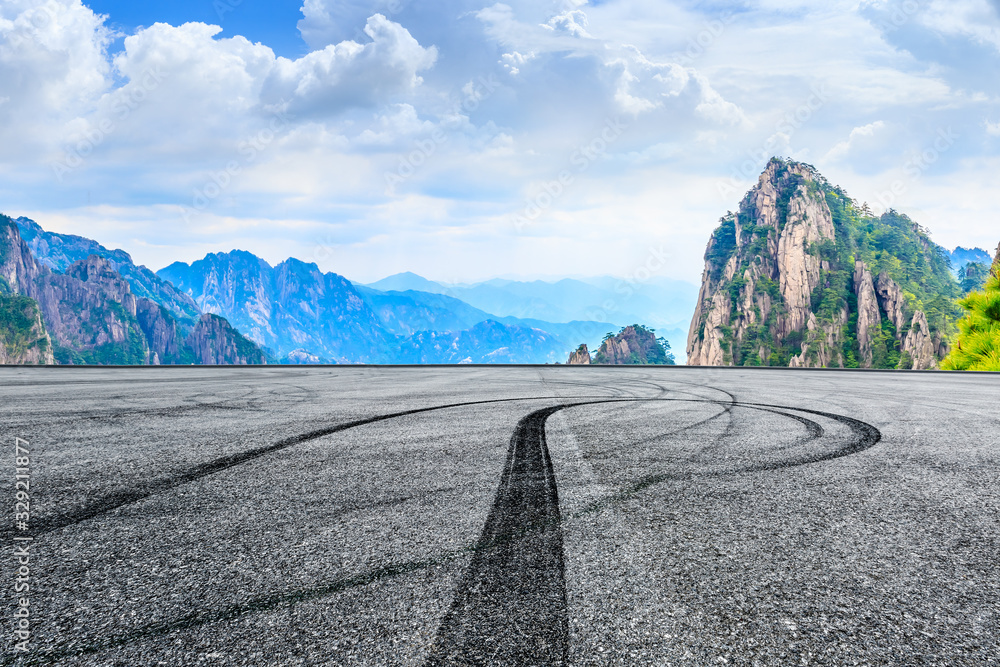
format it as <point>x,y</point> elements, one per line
<point>868,312</point>
<point>919,345</point>
<point>809,222</point>
<point>160,330</point>
<point>18,267</point>
<point>97,272</point>
<point>822,346</point>
<point>616,351</point>
<point>891,301</point>
<point>90,314</point>
<point>580,357</point>
<point>705,338</point>
<point>215,342</point>
<point>89,306</point>
<point>633,345</point>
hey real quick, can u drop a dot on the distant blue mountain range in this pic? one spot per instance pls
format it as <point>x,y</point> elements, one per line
<point>961,256</point>
<point>298,313</point>
<point>661,303</point>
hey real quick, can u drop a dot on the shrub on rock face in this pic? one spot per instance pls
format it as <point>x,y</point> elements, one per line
<point>977,346</point>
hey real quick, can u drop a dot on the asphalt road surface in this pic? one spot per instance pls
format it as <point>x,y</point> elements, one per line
<point>509,516</point>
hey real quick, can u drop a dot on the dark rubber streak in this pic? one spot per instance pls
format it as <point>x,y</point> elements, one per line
<point>511,607</point>
<point>868,436</point>
<point>115,501</point>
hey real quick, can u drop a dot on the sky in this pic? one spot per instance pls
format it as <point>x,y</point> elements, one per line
<point>465,140</point>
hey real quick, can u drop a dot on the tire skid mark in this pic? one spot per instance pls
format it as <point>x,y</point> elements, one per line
<point>130,496</point>
<point>867,436</point>
<point>511,607</point>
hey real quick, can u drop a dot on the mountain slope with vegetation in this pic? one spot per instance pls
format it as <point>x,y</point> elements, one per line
<point>23,339</point>
<point>802,276</point>
<point>977,346</point>
<point>488,342</point>
<point>305,315</point>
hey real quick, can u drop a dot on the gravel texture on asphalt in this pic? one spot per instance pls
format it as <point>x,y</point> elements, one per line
<point>505,515</point>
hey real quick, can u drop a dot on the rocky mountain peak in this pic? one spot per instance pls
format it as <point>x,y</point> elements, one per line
<point>580,356</point>
<point>634,344</point>
<point>802,276</point>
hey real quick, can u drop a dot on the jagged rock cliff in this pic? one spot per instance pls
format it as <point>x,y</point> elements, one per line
<point>89,315</point>
<point>801,276</point>
<point>60,251</point>
<point>580,356</point>
<point>291,306</point>
<point>214,341</point>
<point>633,345</point>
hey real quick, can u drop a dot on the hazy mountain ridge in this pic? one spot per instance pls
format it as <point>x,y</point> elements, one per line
<point>588,308</point>
<point>292,306</point>
<point>307,316</point>
<point>59,251</point>
<point>91,316</point>
<point>961,256</point>
<point>407,312</point>
<point>659,302</point>
<point>487,342</point>
<point>801,276</point>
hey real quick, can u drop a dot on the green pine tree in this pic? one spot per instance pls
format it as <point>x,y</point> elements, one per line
<point>977,346</point>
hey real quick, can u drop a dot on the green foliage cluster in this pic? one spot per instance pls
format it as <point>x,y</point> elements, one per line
<point>722,246</point>
<point>974,277</point>
<point>18,316</point>
<point>977,346</point>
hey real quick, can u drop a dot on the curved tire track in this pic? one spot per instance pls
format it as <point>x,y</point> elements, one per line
<point>511,606</point>
<point>524,526</point>
<point>126,497</point>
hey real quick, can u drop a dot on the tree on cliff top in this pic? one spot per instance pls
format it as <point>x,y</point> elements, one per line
<point>977,346</point>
